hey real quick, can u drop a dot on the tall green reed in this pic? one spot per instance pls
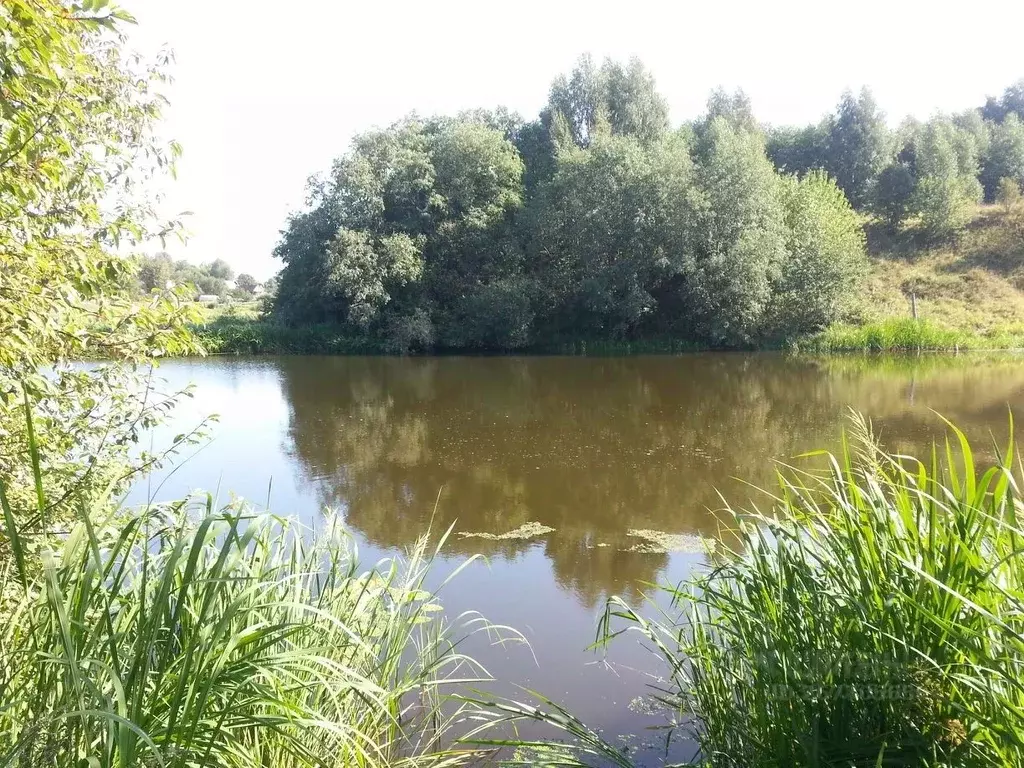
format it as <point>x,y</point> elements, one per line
<point>875,616</point>
<point>181,636</point>
<point>900,335</point>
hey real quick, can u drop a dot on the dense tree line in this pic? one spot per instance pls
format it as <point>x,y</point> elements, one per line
<point>934,172</point>
<point>599,220</point>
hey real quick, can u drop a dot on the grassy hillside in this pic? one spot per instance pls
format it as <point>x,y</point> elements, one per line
<point>970,292</point>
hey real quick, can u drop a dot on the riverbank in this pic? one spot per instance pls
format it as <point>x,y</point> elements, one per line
<point>967,295</point>
<point>255,336</point>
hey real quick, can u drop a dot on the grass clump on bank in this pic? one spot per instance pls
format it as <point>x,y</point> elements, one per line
<point>874,617</point>
<point>181,637</point>
<point>967,291</point>
<point>892,335</point>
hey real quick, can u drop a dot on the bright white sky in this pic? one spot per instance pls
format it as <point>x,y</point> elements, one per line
<point>267,93</point>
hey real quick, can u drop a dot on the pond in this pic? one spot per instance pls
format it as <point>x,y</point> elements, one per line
<point>594,448</point>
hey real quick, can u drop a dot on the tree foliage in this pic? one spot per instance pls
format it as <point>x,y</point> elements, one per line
<point>825,246</point>
<point>74,135</point>
<point>622,96</point>
<point>735,108</point>
<point>246,283</point>
<point>597,220</point>
<point>893,193</point>
<point>858,145</point>
<point>947,186</point>
<point>159,273</point>
<point>798,150</point>
<point>593,221</point>
<point>1008,194</point>
<point>1004,158</point>
<point>220,269</point>
<point>610,225</point>
<point>875,166</point>
<point>409,227</point>
<point>853,144</point>
<point>1011,103</point>
<point>740,245</point>
<point>76,143</point>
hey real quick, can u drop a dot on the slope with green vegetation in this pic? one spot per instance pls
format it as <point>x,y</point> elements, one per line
<point>968,293</point>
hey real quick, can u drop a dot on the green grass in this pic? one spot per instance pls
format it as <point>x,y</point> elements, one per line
<point>904,335</point>
<point>874,617</point>
<point>179,637</point>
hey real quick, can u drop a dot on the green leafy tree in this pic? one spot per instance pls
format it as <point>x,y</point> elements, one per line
<point>302,248</point>
<point>246,283</point>
<point>606,229</point>
<point>1013,99</point>
<point>269,295</point>
<point>76,140</point>
<point>155,272</point>
<point>536,147</point>
<point>735,108</point>
<point>1008,194</point>
<point>905,143</point>
<point>58,162</point>
<point>947,188</point>
<point>740,243</point>
<point>1011,103</point>
<point>412,222</point>
<point>797,150</point>
<point>362,273</point>
<point>501,119</point>
<point>496,315</point>
<point>479,183</point>
<point>622,96</point>
<point>858,145</point>
<point>208,285</point>
<point>893,194</point>
<point>972,123</point>
<point>219,269</point>
<point>1005,155</point>
<point>196,279</point>
<point>825,257</point>
<point>593,220</point>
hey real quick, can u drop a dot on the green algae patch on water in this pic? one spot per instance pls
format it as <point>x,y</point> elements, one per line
<point>659,542</point>
<point>525,531</point>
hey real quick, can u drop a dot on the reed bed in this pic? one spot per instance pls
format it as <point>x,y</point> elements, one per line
<point>179,636</point>
<point>873,617</point>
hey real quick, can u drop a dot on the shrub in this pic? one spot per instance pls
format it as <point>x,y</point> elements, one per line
<point>893,193</point>
<point>1008,194</point>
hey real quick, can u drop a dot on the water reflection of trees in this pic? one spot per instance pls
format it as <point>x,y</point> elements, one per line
<point>591,447</point>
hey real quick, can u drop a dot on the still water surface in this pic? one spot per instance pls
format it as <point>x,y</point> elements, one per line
<point>592,447</point>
